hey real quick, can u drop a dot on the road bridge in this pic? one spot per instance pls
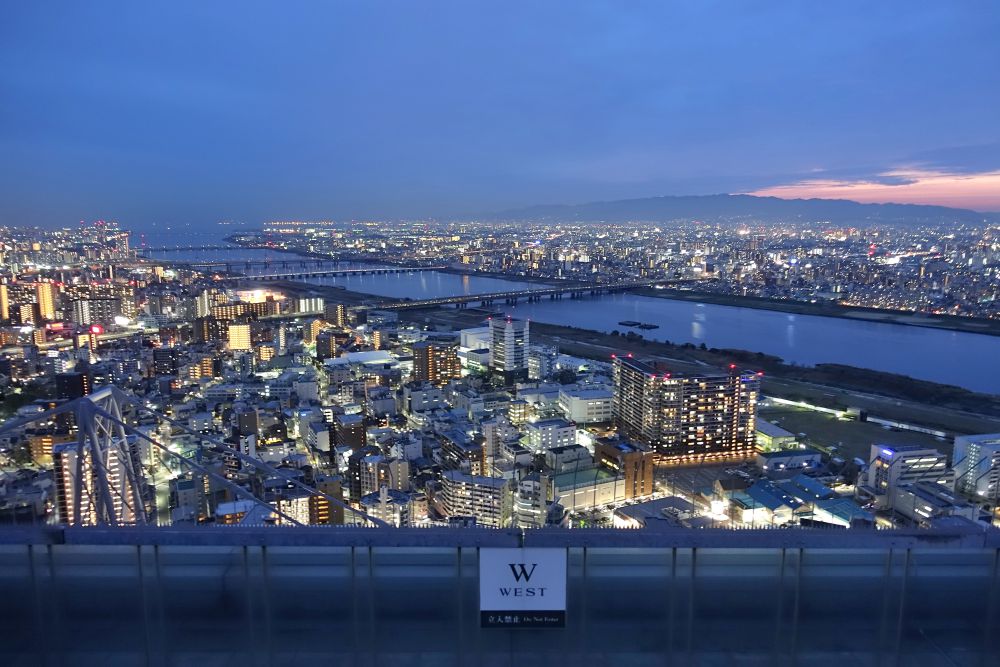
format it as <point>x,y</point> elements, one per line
<point>231,265</point>
<point>511,297</point>
<point>295,275</point>
<point>185,248</point>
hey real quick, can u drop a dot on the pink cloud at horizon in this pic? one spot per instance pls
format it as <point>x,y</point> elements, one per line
<point>977,191</point>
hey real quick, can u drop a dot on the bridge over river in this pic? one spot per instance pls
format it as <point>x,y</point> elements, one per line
<point>530,295</point>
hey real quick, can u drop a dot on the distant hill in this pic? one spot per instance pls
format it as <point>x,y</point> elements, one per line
<point>738,208</point>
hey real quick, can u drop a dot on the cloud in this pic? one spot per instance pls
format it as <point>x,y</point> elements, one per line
<point>979,191</point>
<point>959,159</point>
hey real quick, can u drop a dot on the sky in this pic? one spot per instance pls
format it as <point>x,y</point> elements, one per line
<point>154,113</point>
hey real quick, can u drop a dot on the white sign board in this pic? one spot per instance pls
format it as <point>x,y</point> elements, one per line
<point>522,588</point>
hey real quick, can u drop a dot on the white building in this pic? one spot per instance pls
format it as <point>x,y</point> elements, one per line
<point>977,465</point>
<point>312,304</point>
<point>509,347</point>
<point>586,405</point>
<point>496,431</point>
<point>485,498</point>
<point>549,433</point>
<point>531,501</point>
<point>890,467</point>
<point>541,361</point>
<point>475,339</point>
<point>586,489</point>
<point>317,436</point>
<point>923,501</point>
<point>421,397</point>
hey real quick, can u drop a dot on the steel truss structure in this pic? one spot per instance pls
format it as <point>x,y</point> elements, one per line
<point>108,485</point>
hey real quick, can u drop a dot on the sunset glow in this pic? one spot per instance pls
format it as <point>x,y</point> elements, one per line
<point>978,191</point>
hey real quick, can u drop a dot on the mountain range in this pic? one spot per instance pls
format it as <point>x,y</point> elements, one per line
<point>745,208</point>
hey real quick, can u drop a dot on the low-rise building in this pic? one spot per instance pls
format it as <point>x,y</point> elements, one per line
<point>586,405</point>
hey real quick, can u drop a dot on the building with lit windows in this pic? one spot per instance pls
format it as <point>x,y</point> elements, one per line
<point>634,461</point>
<point>509,348</point>
<point>95,311</point>
<point>64,459</point>
<point>976,462</point>
<point>335,314</point>
<point>686,417</point>
<point>587,405</point>
<point>549,433</point>
<point>239,337</point>
<point>890,467</point>
<point>487,499</point>
<point>47,296</point>
<point>436,362</point>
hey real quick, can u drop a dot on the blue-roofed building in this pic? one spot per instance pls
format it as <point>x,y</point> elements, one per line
<point>807,489</point>
<point>779,505</point>
<point>842,512</point>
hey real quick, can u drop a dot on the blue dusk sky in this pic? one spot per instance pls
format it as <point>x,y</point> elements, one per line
<point>155,113</point>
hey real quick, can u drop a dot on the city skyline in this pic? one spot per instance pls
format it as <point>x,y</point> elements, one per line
<point>151,115</point>
<point>385,332</point>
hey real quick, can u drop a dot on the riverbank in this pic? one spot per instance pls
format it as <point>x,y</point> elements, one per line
<point>939,406</point>
<point>880,315</point>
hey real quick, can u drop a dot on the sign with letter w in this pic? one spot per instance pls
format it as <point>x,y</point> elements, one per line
<point>522,588</point>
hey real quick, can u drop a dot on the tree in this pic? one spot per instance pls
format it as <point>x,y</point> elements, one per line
<point>566,376</point>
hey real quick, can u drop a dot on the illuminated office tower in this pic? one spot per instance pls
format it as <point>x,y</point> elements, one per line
<point>4,302</point>
<point>690,418</point>
<point>509,348</point>
<point>436,362</point>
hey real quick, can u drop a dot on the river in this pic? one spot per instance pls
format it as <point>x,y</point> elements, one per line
<point>950,357</point>
<point>959,358</point>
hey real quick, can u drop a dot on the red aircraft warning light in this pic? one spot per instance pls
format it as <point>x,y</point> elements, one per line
<point>96,329</point>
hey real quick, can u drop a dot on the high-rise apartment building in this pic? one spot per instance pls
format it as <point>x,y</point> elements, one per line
<point>488,499</point>
<point>95,311</point>
<point>311,331</point>
<point>208,329</point>
<point>281,340</point>
<point>47,295</point>
<point>206,300</point>
<point>4,302</point>
<point>64,458</point>
<point>239,337</point>
<point>335,314</point>
<point>509,348</point>
<point>686,418</point>
<point>436,362</point>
